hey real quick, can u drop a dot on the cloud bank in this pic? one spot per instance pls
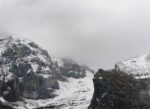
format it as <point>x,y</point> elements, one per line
<point>95,32</point>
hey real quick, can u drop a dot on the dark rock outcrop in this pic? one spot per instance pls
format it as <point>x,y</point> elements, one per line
<point>26,71</point>
<point>117,90</point>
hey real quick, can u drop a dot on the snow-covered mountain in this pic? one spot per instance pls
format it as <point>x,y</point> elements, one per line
<point>138,67</point>
<point>124,87</point>
<point>30,78</point>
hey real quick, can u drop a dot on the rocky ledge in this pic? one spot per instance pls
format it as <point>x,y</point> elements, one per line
<point>117,90</point>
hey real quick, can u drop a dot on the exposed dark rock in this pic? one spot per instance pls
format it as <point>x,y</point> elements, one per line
<point>117,90</point>
<point>26,71</point>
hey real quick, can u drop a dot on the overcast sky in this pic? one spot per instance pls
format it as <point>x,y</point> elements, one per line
<point>98,33</point>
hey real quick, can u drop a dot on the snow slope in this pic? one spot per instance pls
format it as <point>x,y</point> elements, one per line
<point>138,67</point>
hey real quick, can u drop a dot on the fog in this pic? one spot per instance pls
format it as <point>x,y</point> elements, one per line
<point>97,33</point>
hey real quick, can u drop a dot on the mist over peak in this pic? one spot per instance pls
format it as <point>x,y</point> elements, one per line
<point>91,31</point>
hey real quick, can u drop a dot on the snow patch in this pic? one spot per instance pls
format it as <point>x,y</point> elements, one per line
<point>34,67</point>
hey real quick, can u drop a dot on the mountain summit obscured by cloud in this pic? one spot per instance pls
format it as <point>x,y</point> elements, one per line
<point>96,32</point>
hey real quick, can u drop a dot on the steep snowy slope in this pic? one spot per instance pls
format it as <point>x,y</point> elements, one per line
<point>138,67</point>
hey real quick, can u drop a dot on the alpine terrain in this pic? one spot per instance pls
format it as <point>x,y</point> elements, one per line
<point>124,87</point>
<point>31,79</point>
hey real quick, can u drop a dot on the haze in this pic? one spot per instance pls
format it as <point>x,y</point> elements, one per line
<point>97,33</point>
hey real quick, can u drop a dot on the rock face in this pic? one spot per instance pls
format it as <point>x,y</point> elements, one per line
<point>30,78</point>
<point>26,70</point>
<point>117,90</point>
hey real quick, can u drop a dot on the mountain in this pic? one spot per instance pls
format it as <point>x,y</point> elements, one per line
<point>138,67</point>
<point>74,93</point>
<point>30,78</point>
<point>124,87</point>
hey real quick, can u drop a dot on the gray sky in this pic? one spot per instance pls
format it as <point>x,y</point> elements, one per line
<point>98,33</point>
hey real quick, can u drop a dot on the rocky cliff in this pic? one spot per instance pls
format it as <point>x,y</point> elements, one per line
<point>125,87</point>
<point>30,78</point>
<point>26,70</point>
<point>117,90</point>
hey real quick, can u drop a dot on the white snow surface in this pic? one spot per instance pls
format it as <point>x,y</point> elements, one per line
<point>138,67</point>
<point>73,94</point>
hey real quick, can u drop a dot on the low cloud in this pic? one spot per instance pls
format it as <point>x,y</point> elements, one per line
<point>95,32</point>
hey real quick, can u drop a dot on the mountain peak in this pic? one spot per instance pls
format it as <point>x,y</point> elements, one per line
<point>24,63</point>
<point>28,72</point>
